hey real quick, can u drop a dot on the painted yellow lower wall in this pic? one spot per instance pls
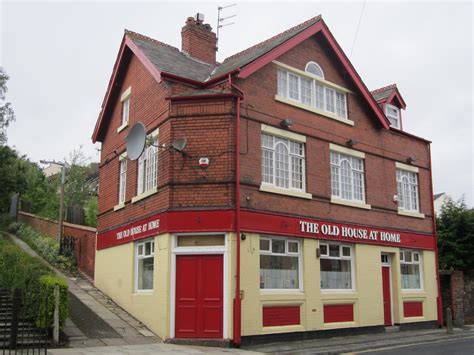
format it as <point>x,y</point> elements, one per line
<point>114,275</point>
<point>367,296</point>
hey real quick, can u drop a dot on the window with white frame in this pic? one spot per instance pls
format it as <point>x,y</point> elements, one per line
<point>144,265</point>
<point>393,115</point>
<point>336,266</point>
<point>407,190</point>
<point>122,179</point>
<point>410,267</point>
<point>125,110</point>
<point>347,177</point>
<point>283,163</point>
<point>280,260</point>
<point>309,91</point>
<point>147,166</point>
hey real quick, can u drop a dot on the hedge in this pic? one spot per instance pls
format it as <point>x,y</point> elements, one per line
<point>36,280</point>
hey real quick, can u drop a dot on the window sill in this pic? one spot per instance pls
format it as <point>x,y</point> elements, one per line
<point>412,293</point>
<point>144,195</point>
<point>410,213</point>
<point>122,127</point>
<point>313,109</point>
<point>340,201</point>
<point>119,206</point>
<point>143,293</point>
<point>336,294</point>
<point>277,190</point>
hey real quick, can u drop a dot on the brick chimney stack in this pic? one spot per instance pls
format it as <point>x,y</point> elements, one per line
<point>198,40</point>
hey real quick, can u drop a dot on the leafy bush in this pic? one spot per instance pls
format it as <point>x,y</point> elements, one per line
<point>13,227</point>
<point>46,247</point>
<point>19,270</point>
<point>45,298</point>
<point>5,220</point>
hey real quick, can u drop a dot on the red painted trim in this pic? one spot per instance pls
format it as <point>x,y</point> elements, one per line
<point>264,222</point>
<point>144,59</point>
<point>280,315</point>
<point>100,119</point>
<point>176,221</point>
<point>319,26</point>
<point>222,96</point>
<point>439,299</point>
<point>197,83</point>
<point>396,94</point>
<point>403,133</point>
<point>251,221</point>
<point>334,313</point>
<point>412,309</point>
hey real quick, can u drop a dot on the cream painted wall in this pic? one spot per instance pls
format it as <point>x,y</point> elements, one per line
<point>367,296</point>
<point>114,275</point>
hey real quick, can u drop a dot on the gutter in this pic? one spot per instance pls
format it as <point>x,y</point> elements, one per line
<point>237,306</point>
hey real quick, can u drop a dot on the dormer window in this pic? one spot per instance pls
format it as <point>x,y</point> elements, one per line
<point>393,115</point>
<point>314,69</point>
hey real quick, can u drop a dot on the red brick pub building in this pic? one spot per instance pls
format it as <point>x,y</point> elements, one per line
<point>298,207</point>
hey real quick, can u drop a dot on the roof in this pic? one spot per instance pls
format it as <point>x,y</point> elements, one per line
<point>436,196</point>
<point>170,59</point>
<point>388,92</point>
<point>163,60</point>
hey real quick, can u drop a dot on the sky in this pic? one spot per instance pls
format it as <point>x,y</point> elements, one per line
<point>60,55</point>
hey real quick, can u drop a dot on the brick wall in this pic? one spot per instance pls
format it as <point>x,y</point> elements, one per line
<point>85,238</point>
<point>469,298</point>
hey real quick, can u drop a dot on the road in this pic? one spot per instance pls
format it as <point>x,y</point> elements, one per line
<point>460,346</point>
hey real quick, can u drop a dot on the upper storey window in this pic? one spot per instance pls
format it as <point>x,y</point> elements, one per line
<point>125,100</point>
<point>393,115</point>
<point>314,69</point>
<point>309,90</point>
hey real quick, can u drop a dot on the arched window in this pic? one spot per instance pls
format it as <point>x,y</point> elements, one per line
<point>315,69</point>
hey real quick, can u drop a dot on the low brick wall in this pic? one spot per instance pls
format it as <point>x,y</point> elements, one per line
<point>85,238</point>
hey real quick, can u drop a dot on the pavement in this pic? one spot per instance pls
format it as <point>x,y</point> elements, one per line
<point>98,325</point>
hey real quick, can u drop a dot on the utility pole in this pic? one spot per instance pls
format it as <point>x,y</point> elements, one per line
<point>61,200</point>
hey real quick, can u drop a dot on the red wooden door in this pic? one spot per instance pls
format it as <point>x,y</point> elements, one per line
<point>199,296</point>
<point>387,301</point>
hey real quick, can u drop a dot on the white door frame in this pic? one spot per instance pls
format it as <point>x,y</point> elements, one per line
<point>389,265</point>
<point>204,250</point>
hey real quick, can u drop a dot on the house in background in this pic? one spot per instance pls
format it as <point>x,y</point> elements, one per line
<point>298,206</point>
<point>439,201</point>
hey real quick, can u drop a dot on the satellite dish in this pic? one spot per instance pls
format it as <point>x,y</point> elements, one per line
<point>136,141</point>
<point>179,144</point>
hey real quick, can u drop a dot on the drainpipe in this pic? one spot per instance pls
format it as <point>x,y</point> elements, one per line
<point>439,300</point>
<point>237,299</point>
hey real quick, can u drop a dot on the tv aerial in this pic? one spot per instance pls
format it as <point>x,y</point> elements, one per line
<point>220,21</point>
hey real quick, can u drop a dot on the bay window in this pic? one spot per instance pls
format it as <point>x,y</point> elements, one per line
<point>280,260</point>
<point>336,266</point>
<point>410,267</point>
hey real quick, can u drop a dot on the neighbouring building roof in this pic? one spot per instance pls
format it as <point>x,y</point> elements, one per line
<point>436,196</point>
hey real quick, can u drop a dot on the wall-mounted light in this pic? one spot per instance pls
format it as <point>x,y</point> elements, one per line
<point>352,142</point>
<point>286,123</point>
<point>243,236</point>
<point>318,253</point>
<point>411,159</point>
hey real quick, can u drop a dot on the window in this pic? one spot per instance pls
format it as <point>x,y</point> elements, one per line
<point>283,163</point>
<point>309,91</point>
<point>336,266</point>
<point>393,115</point>
<point>315,69</point>
<point>144,264</point>
<point>407,190</point>
<point>122,179</point>
<point>410,262</point>
<point>347,177</point>
<point>280,263</point>
<point>147,166</point>
<point>125,110</point>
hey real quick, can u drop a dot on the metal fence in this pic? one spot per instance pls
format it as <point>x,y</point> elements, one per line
<point>22,323</point>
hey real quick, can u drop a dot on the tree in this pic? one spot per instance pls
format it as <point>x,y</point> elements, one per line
<point>7,115</point>
<point>91,212</point>
<point>455,230</point>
